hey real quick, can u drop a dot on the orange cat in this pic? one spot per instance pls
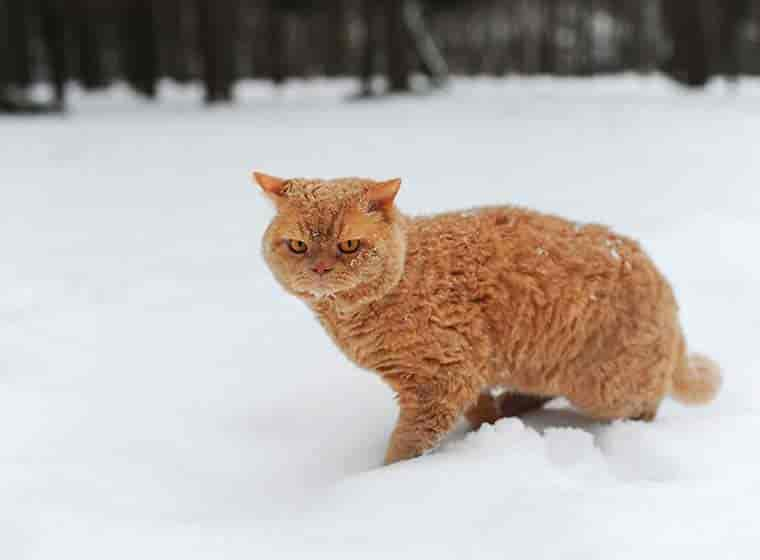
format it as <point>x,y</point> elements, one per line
<point>447,308</point>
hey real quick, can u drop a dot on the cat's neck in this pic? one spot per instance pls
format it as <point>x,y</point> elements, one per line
<point>359,299</point>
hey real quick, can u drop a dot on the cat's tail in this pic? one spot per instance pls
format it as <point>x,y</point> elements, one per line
<point>697,382</point>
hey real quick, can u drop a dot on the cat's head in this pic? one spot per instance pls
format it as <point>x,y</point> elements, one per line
<point>339,237</point>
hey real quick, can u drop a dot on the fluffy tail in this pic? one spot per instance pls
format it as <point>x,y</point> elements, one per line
<point>698,382</point>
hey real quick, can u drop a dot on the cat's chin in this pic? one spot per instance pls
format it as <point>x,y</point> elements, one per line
<point>318,293</point>
<point>346,299</point>
<point>322,292</point>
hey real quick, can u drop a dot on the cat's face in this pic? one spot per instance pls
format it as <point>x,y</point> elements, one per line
<point>341,236</point>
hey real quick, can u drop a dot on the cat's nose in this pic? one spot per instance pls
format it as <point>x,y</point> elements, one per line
<point>323,267</point>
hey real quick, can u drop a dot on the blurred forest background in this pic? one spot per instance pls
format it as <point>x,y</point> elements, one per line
<point>98,42</point>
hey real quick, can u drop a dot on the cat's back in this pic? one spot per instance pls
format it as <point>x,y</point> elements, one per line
<point>476,228</point>
<point>519,235</point>
<point>483,248</point>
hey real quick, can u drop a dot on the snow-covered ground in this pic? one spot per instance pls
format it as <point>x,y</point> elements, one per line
<point>161,398</point>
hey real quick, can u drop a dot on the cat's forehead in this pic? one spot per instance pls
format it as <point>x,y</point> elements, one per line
<point>321,192</point>
<point>324,208</point>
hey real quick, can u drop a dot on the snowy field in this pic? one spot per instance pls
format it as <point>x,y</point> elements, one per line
<point>161,398</point>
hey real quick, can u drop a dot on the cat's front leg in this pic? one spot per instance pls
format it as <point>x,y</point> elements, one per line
<point>421,426</point>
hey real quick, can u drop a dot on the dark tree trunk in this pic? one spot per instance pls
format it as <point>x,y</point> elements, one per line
<point>397,47</point>
<point>140,46</point>
<point>732,14</point>
<point>18,43</point>
<point>54,39</point>
<point>6,63</point>
<point>548,51</point>
<point>217,47</point>
<point>276,18</point>
<point>91,70</point>
<point>175,18</point>
<point>635,40</point>
<point>585,34</point>
<point>516,44</point>
<point>689,63</point>
<point>337,39</point>
<point>370,47</point>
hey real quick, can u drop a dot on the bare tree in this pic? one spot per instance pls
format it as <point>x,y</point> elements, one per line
<point>276,45</point>
<point>689,61</point>
<point>54,39</point>
<point>17,33</point>
<point>549,24</point>
<point>217,30</point>
<point>337,37</point>
<point>397,47</point>
<point>140,46</point>
<point>87,33</point>
<point>733,13</point>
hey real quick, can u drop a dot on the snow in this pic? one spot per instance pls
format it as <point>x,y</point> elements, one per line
<point>160,396</point>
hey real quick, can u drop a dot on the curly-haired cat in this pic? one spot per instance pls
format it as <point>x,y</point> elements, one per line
<point>446,308</point>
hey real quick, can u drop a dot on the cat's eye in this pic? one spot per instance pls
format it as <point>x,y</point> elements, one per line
<point>349,246</point>
<point>297,246</point>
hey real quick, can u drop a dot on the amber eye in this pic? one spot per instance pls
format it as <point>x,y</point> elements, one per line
<point>350,246</point>
<point>297,246</point>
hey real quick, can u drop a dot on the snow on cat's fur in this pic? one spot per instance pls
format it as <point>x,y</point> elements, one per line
<point>446,307</point>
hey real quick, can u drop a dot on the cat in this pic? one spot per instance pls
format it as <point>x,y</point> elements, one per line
<point>447,309</point>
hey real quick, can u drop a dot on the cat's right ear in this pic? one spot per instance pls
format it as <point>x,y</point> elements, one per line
<point>273,187</point>
<point>382,194</point>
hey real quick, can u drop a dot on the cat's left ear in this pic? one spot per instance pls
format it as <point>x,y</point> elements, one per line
<point>382,194</point>
<point>272,186</point>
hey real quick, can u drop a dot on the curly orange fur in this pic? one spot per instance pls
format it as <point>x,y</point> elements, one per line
<point>446,307</point>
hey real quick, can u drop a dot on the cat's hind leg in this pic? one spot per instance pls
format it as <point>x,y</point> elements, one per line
<point>486,410</point>
<point>630,386</point>
<point>489,408</point>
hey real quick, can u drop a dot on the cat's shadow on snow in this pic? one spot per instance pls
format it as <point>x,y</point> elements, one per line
<point>554,415</point>
<point>543,419</point>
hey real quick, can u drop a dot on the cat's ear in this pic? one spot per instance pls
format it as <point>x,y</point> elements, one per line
<point>272,186</point>
<point>382,194</point>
